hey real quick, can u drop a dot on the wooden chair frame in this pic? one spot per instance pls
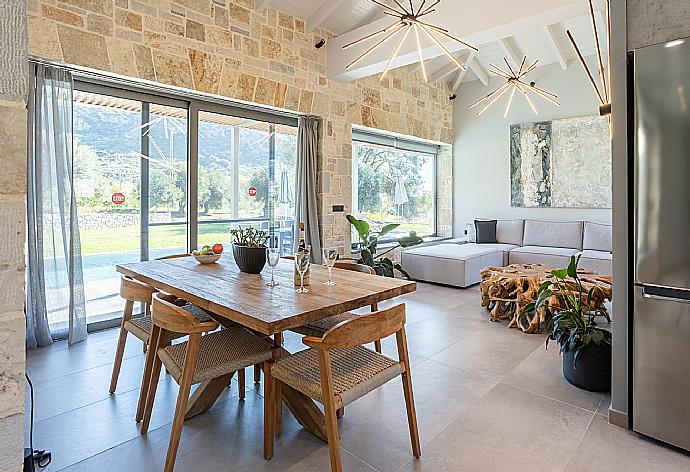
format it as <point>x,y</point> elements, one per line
<point>168,318</point>
<point>355,332</point>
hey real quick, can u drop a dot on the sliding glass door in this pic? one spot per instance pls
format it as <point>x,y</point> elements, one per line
<point>138,176</point>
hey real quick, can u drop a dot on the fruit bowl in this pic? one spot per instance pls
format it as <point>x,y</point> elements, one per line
<point>210,259</point>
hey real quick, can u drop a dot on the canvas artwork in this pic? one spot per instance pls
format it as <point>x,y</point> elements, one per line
<point>562,163</point>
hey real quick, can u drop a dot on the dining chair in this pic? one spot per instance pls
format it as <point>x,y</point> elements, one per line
<point>134,291</point>
<point>216,354</point>
<point>319,328</point>
<point>338,369</point>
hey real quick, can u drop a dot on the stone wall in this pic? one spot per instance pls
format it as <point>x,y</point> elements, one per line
<point>226,47</point>
<point>656,21</point>
<point>12,234</point>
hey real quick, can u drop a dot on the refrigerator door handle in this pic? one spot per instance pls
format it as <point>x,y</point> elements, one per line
<point>666,293</point>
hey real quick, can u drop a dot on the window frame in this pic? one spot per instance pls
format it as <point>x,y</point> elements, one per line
<point>395,143</point>
<point>193,102</point>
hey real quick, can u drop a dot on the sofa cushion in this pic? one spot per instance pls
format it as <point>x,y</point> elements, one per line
<point>553,234</point>
<point>510,231</point>
<point>597,237</point>
<point>450,264</point>
<point>504,248</point>
<point>554,256</point>
<point>600,262</point>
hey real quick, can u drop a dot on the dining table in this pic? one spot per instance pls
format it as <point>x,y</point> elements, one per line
<point>232,296</point>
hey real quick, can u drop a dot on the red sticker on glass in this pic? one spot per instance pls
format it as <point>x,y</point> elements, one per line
<point>252,191</point>
<point>118,198</point>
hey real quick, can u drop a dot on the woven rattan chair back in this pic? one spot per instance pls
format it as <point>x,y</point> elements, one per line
<point>361,329</point>
<point>354,266</point>
<point>169,316</point>
<point>135,291</point>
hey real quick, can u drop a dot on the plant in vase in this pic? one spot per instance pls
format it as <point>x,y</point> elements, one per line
<point>249,248</point>
<point>586,348</point>
<point>368,244</point>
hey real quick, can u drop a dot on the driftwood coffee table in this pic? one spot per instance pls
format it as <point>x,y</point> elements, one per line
<point>507,290</point>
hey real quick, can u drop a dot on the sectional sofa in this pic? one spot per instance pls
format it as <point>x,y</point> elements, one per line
<point>458,262</point>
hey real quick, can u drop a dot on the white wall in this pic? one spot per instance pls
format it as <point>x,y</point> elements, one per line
<point>482,145</point>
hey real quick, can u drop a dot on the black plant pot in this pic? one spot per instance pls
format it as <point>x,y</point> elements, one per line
<point>249,259</point>
<point>592,371</point>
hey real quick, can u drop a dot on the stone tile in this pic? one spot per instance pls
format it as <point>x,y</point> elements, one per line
<point>172,70</point>
<point>495,350</point>
<point>206,70</point>
<point>122,57</point>
<point>144,62</point>
<point>128,19</point>
<point>195,30</point>
<point>99,24</point>
<point>83,48</point>
<point>507,430</point>
<point>13,150</point>
<point>239,14</point>
<point>63,16</point>
<point>104,7</point>
<point>265,91</point>
<point>542,373</point>
<point>245,87</point>
<point>608,448</point>
<point>43,38</point>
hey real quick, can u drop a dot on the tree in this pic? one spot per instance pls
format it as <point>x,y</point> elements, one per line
<point>214,190</point>
<point>164,191</point>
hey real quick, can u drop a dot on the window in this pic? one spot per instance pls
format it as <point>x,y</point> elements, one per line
<point>394,181</point>
<point>133,158</point>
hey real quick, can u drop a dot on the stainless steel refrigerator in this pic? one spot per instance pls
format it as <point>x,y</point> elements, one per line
<point>661,308</point>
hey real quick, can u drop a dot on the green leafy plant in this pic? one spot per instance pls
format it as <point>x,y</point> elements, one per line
<point>573,326</point>
<point>249,237</point>
<point>368,245</point>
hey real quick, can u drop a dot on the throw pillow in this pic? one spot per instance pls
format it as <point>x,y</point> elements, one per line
<point>486,231</point>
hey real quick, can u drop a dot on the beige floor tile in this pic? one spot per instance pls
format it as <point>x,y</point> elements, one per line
<point>509,430</point>
<point>542,372</point>
<point>608,448</point>
<point>375,427</point>
<point>494,350</point>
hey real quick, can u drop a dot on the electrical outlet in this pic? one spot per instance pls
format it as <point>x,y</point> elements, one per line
<point>338,208</point>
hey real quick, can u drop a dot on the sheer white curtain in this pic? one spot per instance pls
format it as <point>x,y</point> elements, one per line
<point>55,304</point>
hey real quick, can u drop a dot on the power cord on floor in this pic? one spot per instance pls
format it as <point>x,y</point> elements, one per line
<point>41,458</point>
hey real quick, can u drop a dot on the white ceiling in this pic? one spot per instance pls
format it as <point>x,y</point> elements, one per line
<point>524,26</point>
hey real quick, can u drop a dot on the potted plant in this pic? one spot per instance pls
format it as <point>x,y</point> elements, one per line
<point>368,244</point>
<point>586,348</point>
<point>249,249</point>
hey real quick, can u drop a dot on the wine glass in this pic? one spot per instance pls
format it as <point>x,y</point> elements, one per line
<point>272,257</point>
<point>330,255</point>
<point>302,265</point>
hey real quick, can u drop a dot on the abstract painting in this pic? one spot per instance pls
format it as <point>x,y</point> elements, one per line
<point>562,163</point>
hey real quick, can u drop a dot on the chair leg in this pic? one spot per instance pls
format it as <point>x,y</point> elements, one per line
<point>257,374</point>
<point>241,383</point>
<point>407,390</point>
<point>153,382</point>
<point>269,412</point>
<point>377,345</point>
<point>330,410</point>
<point>278,394</point>
<point>146,376</point>
<point>182,399</point>
<point>121,340</point>
<point>340,412</point>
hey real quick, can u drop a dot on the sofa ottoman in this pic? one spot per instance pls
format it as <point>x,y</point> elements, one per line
<point>450,264</point>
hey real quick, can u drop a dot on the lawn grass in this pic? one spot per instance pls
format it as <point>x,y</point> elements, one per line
<point>126,238</point>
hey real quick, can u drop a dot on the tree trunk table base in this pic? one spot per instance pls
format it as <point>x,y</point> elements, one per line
<point>505,291</point>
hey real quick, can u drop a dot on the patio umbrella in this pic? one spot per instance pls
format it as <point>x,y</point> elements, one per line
<point>400,194</point>
<point>285,196</point>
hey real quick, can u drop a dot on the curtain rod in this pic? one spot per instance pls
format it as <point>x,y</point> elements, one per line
<point>112,79</point>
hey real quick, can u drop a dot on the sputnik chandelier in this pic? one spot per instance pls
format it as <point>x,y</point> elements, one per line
<point>604,95</point>
<point>514,83</point>
<point>408,20</point>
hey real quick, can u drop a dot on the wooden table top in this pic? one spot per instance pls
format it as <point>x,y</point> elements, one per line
<point>244,298</point>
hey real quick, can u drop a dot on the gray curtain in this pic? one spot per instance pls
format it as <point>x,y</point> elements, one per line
<point>55,305</point>
<point>306,209</point>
